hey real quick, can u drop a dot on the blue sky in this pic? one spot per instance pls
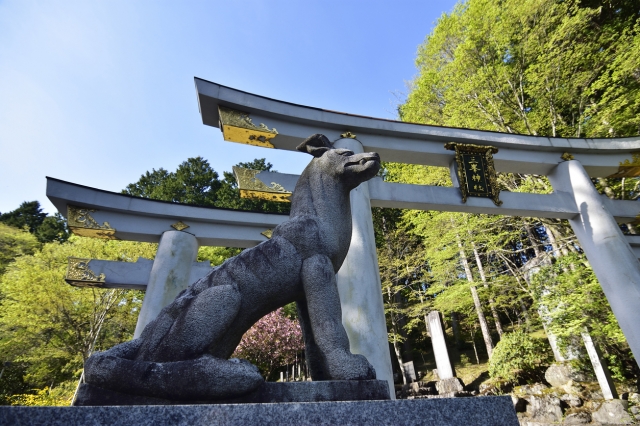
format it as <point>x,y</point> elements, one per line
<point>98,92</point>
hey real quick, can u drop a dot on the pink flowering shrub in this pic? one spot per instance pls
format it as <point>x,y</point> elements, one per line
<point>272,342</point>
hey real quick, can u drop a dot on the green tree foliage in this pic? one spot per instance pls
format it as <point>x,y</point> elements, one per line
<point>576,303</point>
<point>30,216</point>
<point>535,67</point>
<point>402,268</point>
<point>15,242</point>
<point>441,237</point>
<point>58,396</point>
<point>157,184</point>
<point>47,327</point>
<point>518,357</point>
<point>538,67</point>
<point>53,228</point>
<point>575,300</point>
<point>216,255</point>
<point>195,182</point>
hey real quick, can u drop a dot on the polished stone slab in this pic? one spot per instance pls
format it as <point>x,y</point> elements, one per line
<point>268,392</point>
<point>491,410</point>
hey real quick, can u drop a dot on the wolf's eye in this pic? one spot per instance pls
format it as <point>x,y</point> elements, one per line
<point>346,153</point>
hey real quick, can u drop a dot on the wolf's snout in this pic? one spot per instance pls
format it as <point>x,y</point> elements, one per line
<point>371,156</point>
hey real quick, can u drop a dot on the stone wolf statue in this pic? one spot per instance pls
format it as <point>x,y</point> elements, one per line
<point>183,354</point>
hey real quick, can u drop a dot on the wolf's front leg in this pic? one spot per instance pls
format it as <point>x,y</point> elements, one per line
<point>313,355</point>
<point>325,318</point>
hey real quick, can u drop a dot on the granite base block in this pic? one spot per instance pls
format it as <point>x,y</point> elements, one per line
<point>490,410</point>
<point>268,392</point>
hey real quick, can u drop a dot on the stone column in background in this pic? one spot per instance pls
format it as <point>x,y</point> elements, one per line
<point>600,368</point>
<point>448,385</point>
<point>170,275</point>
<point>440,352</point>
<point>359,284</point>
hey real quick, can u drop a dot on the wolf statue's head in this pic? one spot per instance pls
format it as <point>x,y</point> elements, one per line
<point>349,168</point>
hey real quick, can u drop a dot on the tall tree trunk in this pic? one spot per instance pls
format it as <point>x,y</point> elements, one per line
<point>402,322</point>
<point>553,241</point>
<point>455,325</point>
<point>525,312</point>
<point>396,344</point>
<point>492,304</point>
<point>106,302</point>
<point>475,349</point>
<point>532,239</point>
<point>488,342</point>
<point>476,301</point>
<point>392,316</point>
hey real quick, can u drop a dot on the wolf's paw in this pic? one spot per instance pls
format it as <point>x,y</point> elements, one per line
<point>346,366</point>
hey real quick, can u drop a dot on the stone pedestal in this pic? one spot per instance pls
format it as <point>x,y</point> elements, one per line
<point>495,411</point>
<point>169,275</point>
<point>449,387</point>
<point>269,392</point>
<point>359,284</point>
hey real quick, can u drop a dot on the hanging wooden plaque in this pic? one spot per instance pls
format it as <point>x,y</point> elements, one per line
<point>476,173</point>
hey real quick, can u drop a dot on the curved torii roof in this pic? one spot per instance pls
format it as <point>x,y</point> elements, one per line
<point>112,215</point>
<point>413,143</point>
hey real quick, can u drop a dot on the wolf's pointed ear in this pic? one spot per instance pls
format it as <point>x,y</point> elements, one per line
<point>315,145</point>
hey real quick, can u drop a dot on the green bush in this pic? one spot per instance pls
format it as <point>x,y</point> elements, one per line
<point>60,396</point>
<point>464,360</point>
<point>518,358</point>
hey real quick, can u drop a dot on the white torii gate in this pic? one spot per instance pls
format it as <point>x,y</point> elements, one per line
<point>568,162</point>
<point>593,217</point>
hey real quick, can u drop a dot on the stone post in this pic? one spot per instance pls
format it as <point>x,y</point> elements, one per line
<point>440,352</point>
<point>448,384</point>
<point>609,254</point>
<point>169,275</point>
<point>600,368</point>
<point>359,284</point>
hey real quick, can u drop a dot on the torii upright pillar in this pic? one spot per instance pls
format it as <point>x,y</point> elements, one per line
<point>359,284</point>
<point>610,256</point>
<point>169,275</point>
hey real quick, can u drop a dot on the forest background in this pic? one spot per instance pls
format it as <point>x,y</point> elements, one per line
<point>502,284</point>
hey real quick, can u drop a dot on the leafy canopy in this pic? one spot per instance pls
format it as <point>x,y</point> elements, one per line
<point>195,182</point>
<point>31,217</point>
<point>48,327</point>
